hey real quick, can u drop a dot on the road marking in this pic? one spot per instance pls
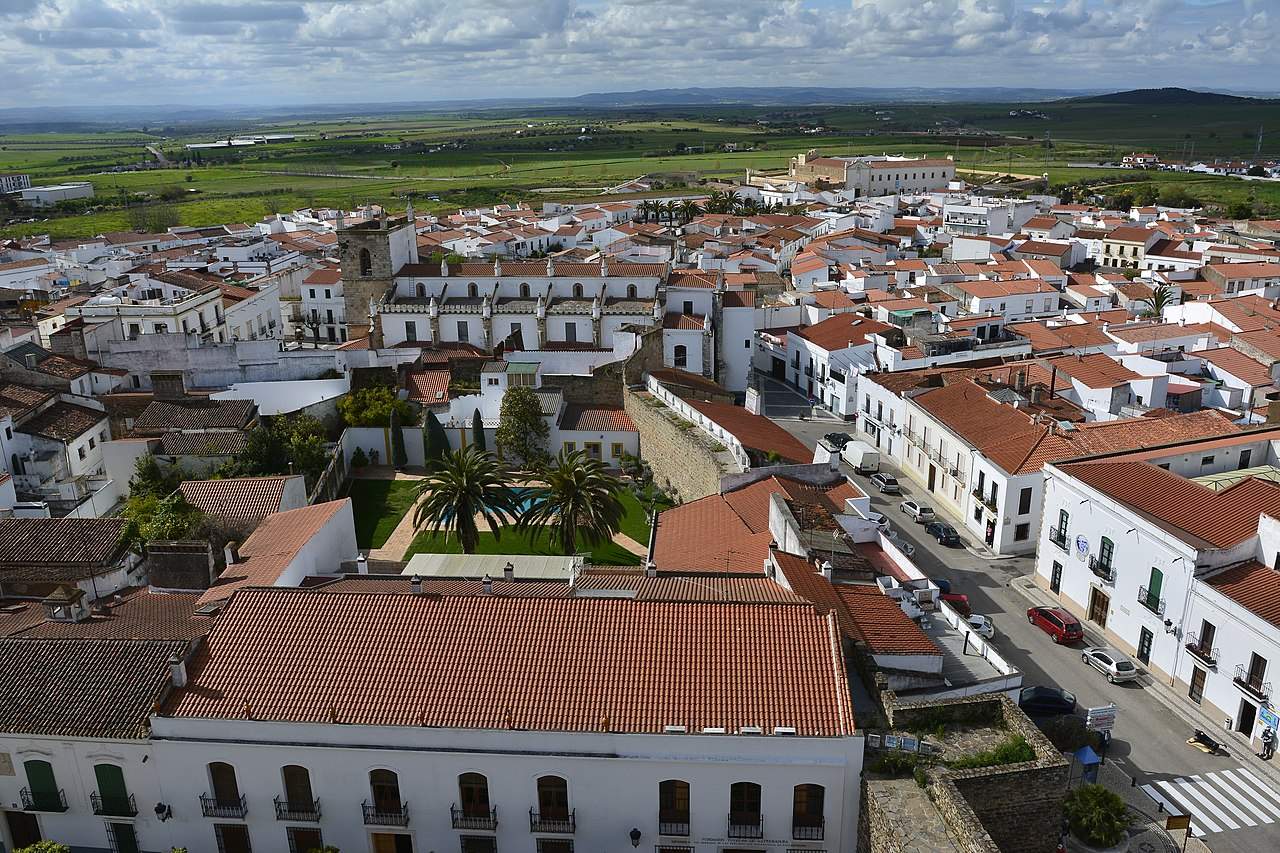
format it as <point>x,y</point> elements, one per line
<point>1187,792</point>
<point>1219,801</point>
<point>1261,786</point>
<point>1264,805</point>
<point>1170,807</point>
<point>1222,798</point>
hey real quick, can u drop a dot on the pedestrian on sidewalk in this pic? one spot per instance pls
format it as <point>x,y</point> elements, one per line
<point>1268,744</point>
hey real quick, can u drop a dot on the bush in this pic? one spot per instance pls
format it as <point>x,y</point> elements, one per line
<point>1013,750</point>
<point>1097,817</point>
<point>895,764</point>
<point>358,459</point>
<point>371,407</point>
<point>45,847</point>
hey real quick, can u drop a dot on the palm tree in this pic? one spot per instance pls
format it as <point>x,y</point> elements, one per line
<point>689,211</point>
<point>645,209</point>
<point>748,206</point>
<point>580,500</point>
<point>1161,298</point>
<point>671,209</point>
<point>715,202</point>
<point>464,484</point>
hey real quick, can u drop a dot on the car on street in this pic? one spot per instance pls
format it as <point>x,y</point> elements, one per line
<point>982,626</point>
<point>886,484</point>
<point>1057,623</point>
<point>919,513</point>
<point>1111,663</point>
<point>959,602</point>
<point>877,519</point>
<point>944,533</point>
<point>838,439</point>
<point>943,585</point>
<point>1044,701</point>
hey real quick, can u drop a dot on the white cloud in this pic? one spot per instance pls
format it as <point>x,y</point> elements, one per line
<point>281,51</point>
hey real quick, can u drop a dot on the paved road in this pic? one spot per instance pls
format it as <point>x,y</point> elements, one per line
<point>1149,742</point>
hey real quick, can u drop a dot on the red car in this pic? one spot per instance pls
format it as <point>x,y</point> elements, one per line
<point>1057,623</point>
<point>959,602</point>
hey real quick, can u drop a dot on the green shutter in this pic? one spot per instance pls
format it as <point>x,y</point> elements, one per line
<point>1157,580</point>
<point>110,782</point>
<point>40,777</point>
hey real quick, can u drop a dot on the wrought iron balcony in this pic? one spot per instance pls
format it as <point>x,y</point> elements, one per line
<point>1058,537</point>
<point>43,801</point>
<point>215,807</point>
<point>1200,650</point>
<point>1252,684</point>
<point>808,828</point>
<point>565,822</point>
<point>478,819</point>
<point>297,810</point>
<point>1106,571</point>
<point>385,815</point>
<point>673,824</point>
<point>1151,601</point>
<point>114,806</point>
<point>743,825</point>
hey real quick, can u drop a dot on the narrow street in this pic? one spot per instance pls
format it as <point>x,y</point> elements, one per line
<point>1235,810</point>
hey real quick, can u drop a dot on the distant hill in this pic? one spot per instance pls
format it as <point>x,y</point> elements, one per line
<point>1170,96</point>
<point>819,95</point>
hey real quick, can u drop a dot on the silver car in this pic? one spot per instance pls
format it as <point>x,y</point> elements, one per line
<point>1111,663</point>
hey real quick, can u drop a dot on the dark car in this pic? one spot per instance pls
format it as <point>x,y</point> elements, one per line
<point>943,532</point>
<point>1057,623</point>
<point>1046,701</point>
<point>943,585</point>
<point>838,439</point>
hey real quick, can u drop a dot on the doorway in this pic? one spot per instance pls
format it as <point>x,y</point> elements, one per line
<point>1055,578</point>
<point>1099,604</point>
<point>24,829</point>
<point>1246,718</point>
<point>933,476</point>
<point>391,842</point>
<point>990,536</point>
<point>1195,692</point>
<point>778,369</point>
<point>1145,639</point>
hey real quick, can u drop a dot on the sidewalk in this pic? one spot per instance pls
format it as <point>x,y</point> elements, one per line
<point>1164,694</point>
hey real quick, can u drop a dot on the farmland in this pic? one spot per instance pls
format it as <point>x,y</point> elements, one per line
<point>448,161</point>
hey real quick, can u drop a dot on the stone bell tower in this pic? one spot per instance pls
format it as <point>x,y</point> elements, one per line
<point>371,252</point>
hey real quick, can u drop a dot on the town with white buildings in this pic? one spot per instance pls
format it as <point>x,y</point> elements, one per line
<point>936,498</point>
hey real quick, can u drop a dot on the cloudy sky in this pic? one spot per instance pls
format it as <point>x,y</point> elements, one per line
<point>294,51</point>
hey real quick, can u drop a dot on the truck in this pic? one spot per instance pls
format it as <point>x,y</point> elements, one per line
<point>861,457</point>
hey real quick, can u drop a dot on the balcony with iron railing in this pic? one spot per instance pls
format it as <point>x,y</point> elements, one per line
<point>1252,683</point>
<point>1104,570</point>
<point>558,821</point>
<point>43,801</point>
<point>114,806</point>
<point>1206,654</point>
<point>808,828</point>
<point>486,819</point>
<point>745,825</point>
<point>1058,537</point>
<point>673,823</point>
<point>393,814</point>
<point>217,807</point>
<point>302,810</point>
<point>1150,600</point>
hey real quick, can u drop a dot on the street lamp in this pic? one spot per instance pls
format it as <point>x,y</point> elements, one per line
<point>635,837</point>
<point>163,811</point>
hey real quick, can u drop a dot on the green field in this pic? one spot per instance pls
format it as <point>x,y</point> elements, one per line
<point>482,158</point>
<point>378,506</point>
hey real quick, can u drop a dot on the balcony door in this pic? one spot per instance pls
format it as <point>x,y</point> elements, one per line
<point>384,785</point>
<point>473,791</point>
<point>297,788</point>
<point>222,776</point>
<point>553,798</point>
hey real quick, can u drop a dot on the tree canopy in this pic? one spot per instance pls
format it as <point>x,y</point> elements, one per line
<point>371,407</point>
<point>522,431</point>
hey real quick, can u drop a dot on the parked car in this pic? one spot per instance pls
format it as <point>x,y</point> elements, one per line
<point>942,584</point>
<point>838,439</point>
<point>959,603</point>
<point>1111,663</point>
<point>919,513</point>
<point>878,520</point>
<point>1044,701</point>
<point>944,533</point>
<point>886,484</point>
<point>982,626</point>
<point>1057,623</point>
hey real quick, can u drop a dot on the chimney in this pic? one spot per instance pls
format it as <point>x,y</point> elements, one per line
<point>1036,391</point>
<point>1053,381</point>
<point>827,570</point>
<point>231,551</point>
<point>488,585</point>
<point>168,385</point>
<point>177,671</point>
<point>1020,380</point>
<point>362,563</point>
<point>650,569</point>
<point>29,360</point>
<point>508,572</point>
<point>415,585</point>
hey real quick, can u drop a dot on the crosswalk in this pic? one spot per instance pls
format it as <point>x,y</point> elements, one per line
<point>1219,801</point>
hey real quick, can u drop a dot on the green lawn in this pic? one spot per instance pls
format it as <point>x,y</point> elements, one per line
<point>516,542</point>
<point>636,522</point>
<point>379,505</point>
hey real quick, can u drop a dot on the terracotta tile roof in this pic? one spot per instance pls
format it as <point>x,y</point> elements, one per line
<point>1243,367</point>
<point>428,386</point>
<point>690,322</point>
<point>986,289</point>
<point>63,422</point>
<point>1220,518</point>
<point>272,548</point>
<point>132,614</point>
<point>1253,586</point>
<point>82,687</point>
<point>358,343</point>
<point>842,330</point>
<point>482,662</point>
<point>59,549</point>
<point>1094,370</point>
<point>240,498</point>
<point>325,276</point>
<point>880,623</point>
<point>832,299</point>
<point>1264,340</point>
<point>1040,247</point>
<point>596,419</point>
<point>17,399</point>
<point>1143,332</point>
<point>202,443</point>
<point>1130,234</point>
<point>756,432</point>
<point>194,414</point>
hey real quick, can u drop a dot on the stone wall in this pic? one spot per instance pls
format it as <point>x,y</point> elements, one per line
<point>877,832</point>
<point>681,458</point>
<point>180,565</point>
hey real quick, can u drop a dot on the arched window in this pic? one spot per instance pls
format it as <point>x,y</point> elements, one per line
<point>222,780</point>
<point>297,789</point>
<point>806,811</point>
<point>577,291</point>
<point>744,808</point>
<point>553,798</point>
<point>524,290</point>
<point>112,797</point>
<point>422,290</point>
<point>681,355</point>
<point>473,793</point>
<point>384,785</point>
<point>673,807</point>
<point>472,290</point>
<point>43,792</point>
<point>366,262</point>
<point>631,291</point>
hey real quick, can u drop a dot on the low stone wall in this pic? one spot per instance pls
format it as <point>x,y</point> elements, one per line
<point>877,832</point>
<point>680,458</point>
